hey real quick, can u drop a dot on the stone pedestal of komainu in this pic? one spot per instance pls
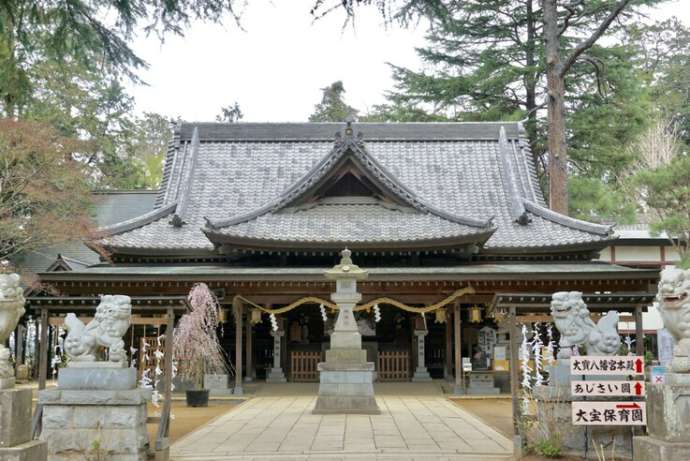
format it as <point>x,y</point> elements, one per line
<point>96,411</point>
<point>668,404</point>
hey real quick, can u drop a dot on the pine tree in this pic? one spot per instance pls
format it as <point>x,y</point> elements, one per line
<point>332,107</point>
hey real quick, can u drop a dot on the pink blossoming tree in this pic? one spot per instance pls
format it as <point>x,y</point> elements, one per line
<point>196,347</point>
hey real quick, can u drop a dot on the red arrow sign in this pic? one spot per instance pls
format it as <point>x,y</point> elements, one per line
<point>638,365</point>
<point>638,388</point>
<point>634,406</point>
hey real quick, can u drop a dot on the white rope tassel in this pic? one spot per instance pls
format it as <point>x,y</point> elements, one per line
<point>377,313</point>
<point>537,346</point>
<point>526,370</point>
<point>324,316</point>
<point>274,322</point>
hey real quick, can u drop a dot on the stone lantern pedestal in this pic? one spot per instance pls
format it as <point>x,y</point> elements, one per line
<point>346,378</point>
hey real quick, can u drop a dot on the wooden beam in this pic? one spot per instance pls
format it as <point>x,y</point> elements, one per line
<point>449,345</point>
<point>238,308</point>
<point>250,351</point>
<point>639,332</point>
<point>514,370</point>
<point>459,377</point>
<point>43,350</point>
<point>164,426</point>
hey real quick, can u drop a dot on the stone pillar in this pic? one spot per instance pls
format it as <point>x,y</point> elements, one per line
<point>96,412</point>
<point>275,374</point>
<point>448,366</point>
<point>346,378</point>
<point>15,428</point>
<point>421,374</point>
<point>668,421</point>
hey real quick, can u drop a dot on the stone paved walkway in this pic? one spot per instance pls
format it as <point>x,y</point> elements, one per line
<point>283,428</point>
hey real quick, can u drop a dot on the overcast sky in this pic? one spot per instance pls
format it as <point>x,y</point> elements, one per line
<point>277,66</point>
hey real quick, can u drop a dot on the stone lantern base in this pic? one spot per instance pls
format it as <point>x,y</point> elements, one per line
<point>346,388</point>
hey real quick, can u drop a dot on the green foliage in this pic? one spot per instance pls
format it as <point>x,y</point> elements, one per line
<point>332,107</point>
<point>230,113</point>
<point>594,200</point>
<point>666,191</point>
<point>548,448</point>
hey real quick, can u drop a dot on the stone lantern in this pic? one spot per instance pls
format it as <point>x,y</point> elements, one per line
<point>346,378</point>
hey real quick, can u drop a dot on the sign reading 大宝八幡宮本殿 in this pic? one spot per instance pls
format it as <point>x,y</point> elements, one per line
<point>607,365</point>
<point>608,388</point>
<point>609,414</point>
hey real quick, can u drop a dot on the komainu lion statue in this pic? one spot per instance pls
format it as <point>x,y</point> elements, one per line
<point>105,330</point>
<point>11,310</point>
<point>673,300</point>
<point>572,319</point>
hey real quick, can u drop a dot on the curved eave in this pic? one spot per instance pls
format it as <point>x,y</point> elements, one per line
<point>567,221</point>
<point>596,245</point>
<point>154,251</point>
<point>446,243</point>
<point>137,222</point>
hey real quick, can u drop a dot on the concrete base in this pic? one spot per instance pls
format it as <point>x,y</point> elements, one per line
<point>7,383</point>
<point>483,390</point>
<point>217,385</point>
<point>15,428</point>
<point>346,388</point>
<point>15,417</point>
<point>275,375</point>
<point>650,449</point>
<point>97,378</point>
<point>421,376</point>
<point>668,411</point>
<point>34,450</point>
<point>99,424</point>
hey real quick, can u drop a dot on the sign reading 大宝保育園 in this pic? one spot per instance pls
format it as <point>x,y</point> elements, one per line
<point>607,388</point>
<point>607,365</point>
<point>609,414</point>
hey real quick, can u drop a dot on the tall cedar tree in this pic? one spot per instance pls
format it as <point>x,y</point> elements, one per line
<point>332,107</point>
<point>505,43</point>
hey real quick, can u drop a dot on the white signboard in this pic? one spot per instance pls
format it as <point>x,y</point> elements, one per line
<point>665,346</point>
<point>609,414</point>
<point>608,388</point>
<point>466,364</point>
<point>658,375</point>
<point>607,365</point>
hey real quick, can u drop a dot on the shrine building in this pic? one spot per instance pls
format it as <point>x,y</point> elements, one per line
<point>448,218</point>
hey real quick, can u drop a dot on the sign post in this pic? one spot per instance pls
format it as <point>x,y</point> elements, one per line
<point>608,413</point>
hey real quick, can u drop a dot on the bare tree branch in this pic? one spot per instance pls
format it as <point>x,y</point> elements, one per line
<point>587,44</point>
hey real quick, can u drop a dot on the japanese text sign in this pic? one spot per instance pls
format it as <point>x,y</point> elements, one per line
<point>609,414</point>
<point>607,365</point>
<point>608,388</point>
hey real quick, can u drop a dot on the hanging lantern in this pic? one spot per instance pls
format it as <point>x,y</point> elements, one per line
<point>475,314</point>
<point>256,316</point>
<point>222,315</point>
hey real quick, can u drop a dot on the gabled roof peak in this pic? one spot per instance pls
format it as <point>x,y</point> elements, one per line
<point>348,147</point>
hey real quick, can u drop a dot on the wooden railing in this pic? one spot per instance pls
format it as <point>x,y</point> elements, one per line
<point>394,365</point>
<point>303,366</point>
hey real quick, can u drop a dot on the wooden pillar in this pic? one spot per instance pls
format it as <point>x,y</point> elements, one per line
<point>459,387</point>
<point>43,351</point>
<point>639,332</point>
<point>238,308</point>
<point>249,361</point>
<point>449,346</point>
<point>164,425</point>
<point>514,369</point>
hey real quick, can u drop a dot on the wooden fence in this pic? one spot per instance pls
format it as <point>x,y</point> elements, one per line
<point>394,365</point>
<point>303,366</point>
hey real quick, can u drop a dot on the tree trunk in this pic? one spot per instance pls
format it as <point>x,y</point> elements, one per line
<point>555,84</point>
<point>530,81</point>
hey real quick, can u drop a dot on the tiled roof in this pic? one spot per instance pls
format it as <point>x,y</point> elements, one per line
<point>359,222</point>
<point>466,170</point>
